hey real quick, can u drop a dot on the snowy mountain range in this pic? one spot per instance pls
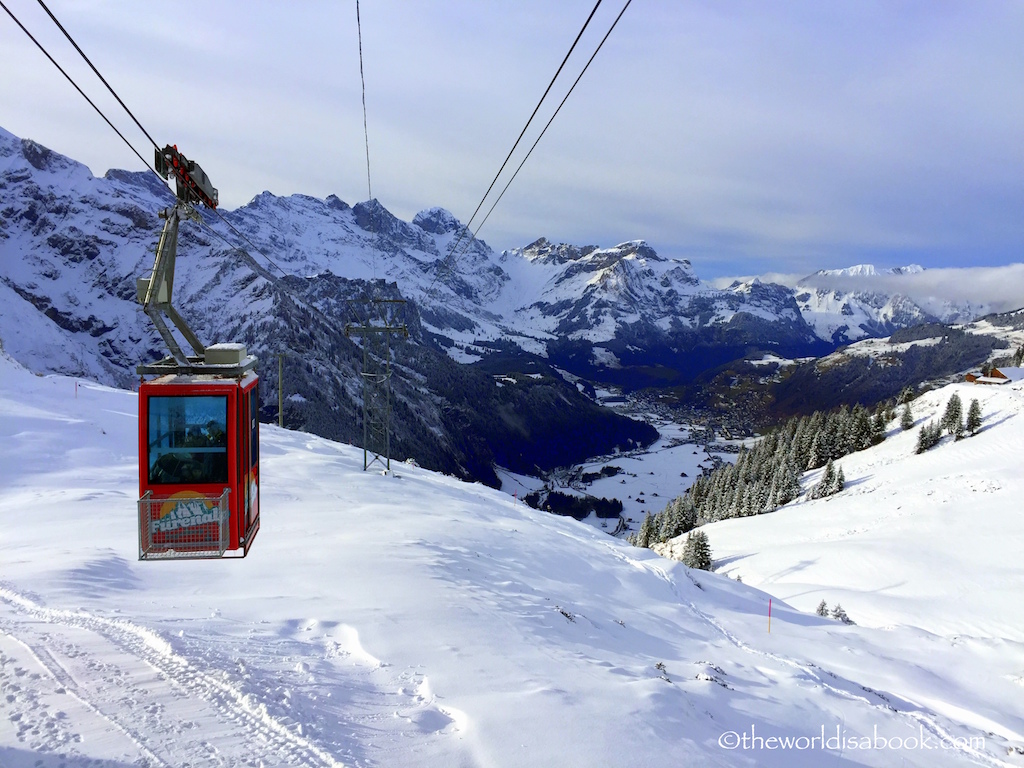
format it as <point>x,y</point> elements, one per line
<point>562,317</point>
<point>73,245</point>
<point>417,620</point>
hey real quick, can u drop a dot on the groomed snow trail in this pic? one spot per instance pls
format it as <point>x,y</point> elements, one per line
<point>152,706</point>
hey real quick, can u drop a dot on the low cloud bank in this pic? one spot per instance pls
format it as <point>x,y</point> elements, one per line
<point>997,289</point>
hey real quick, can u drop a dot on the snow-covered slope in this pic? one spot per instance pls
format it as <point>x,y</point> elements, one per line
<point>929,540</point>
<point>417,620</point>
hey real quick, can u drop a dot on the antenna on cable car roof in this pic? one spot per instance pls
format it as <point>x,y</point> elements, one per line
<point>198,425</point>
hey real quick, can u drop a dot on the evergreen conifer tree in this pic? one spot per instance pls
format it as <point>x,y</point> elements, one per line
<point>667,521</point>
<point>953,415</point>
<point>840,482</point>
<point>878,422</point>
<point>840,615</point>
<point>697,551</point>
<point>817,455</point>
<point>825,486</point>
<point>789,485</point>
<point>822,609</point>
<point>974,416</point>
<point>907,418</point>
<point>646,535</point>
<point>929,436</point>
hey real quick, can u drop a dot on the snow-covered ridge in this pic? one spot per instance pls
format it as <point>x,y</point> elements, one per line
<point>868,270</point>
<point>416,620</point>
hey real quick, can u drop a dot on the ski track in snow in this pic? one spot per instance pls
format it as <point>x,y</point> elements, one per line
<point>129,686</point>
<point>839,686</point>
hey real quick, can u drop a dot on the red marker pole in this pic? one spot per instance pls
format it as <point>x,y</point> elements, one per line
<point>769,615</point>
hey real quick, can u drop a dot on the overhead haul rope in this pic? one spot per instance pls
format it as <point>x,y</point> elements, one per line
<point>93,66</point>
<point>548,125</point>
<point>130,113</point>
<point>366,134</point>
<point>362,79</point>
<point>253,266</point>
<point>73,83</point>
<point>533,114</point>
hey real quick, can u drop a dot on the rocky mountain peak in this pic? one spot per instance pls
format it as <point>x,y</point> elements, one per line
<point>637,248</point>
<point>437,221</point>
<point>374,217</point>
<point>38,156</point>
<point>66,229</point>
<point>336,203</point>
<point>544,251</point>
<point>141,180</point>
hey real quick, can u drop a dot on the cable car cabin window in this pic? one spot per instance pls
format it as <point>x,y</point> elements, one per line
<point>188,439</point>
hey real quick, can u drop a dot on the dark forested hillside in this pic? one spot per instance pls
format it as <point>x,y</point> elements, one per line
<point>849,379</point>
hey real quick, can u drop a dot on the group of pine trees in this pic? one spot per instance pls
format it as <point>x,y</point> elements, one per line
<point>832,481</point>
<point>836,613</point>
<point>767,476</point>
<point>952,421</point>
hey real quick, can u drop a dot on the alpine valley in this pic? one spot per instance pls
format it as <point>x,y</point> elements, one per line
<point>506,351</point>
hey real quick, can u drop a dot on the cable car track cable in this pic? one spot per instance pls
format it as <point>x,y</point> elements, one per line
<point>130,113</point>
<point>547,90</point>
<point>77,88</point>
<point>152,170</point>
<point>366,135</point>
<point>363,80</point>
<point>93,66</point>
<point>545,129</point>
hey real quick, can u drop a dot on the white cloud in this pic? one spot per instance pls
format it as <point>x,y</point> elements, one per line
<point>999,288</point>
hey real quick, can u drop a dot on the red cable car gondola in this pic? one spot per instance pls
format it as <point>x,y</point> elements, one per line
<point>198,419</point>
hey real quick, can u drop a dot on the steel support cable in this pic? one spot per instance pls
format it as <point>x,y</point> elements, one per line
<point>93,66</point>
<point>130,113</point>
<point>250,242</point>
<point>143,160</point>
<point>73,83</point>
<point>548,125</point>
<point>254,267</point>
<point>467,225</point>
<point>262,253</point>
<point>366,132</point>
<point>362,80</point>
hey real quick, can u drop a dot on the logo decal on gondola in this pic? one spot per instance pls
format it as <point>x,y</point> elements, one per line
<point>185,509</point>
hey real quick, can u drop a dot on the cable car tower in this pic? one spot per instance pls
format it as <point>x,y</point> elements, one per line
<point>198,425</point>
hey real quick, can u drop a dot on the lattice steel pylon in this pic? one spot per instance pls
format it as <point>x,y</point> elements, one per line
<point>376,333</point>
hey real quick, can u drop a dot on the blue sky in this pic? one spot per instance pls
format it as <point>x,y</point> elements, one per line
<point>750,137</point>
